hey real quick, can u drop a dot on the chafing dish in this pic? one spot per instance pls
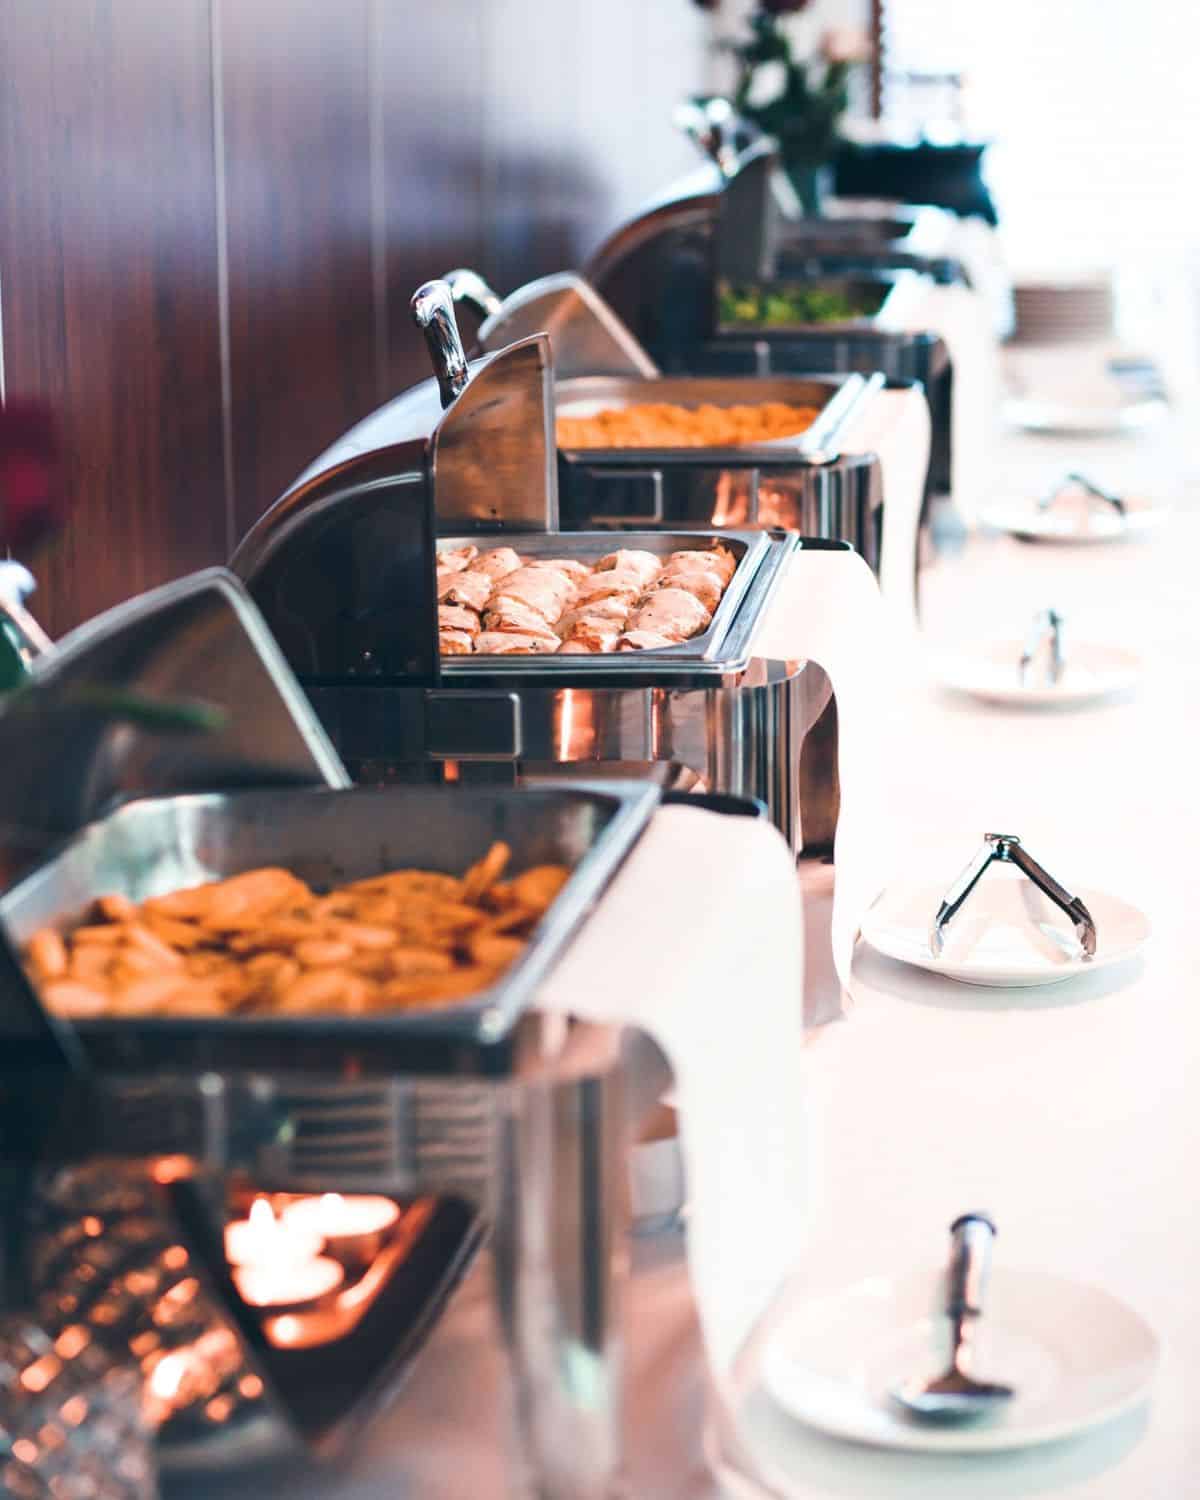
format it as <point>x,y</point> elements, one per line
<point>484,1119</point>
<point>397,711</point>
<point>662,274</point>
<point>805,484</point>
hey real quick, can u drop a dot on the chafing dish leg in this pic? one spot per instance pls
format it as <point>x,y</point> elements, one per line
<point>559,1262</point>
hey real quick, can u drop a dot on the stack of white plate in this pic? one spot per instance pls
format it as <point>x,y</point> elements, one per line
<point>1063,310</point>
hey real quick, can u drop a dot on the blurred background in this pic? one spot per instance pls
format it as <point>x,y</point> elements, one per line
<point>213,212</point>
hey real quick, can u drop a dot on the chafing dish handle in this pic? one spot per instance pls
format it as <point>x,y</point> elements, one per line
<point>470,725</point>
<point>433,313</point>
<point>470,289</point>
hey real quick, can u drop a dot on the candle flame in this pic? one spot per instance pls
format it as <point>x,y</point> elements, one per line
<point>262,1215</point>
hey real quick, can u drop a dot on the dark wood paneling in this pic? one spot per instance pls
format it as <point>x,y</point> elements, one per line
<point>433,84</point>
<point>351,149</point>
<point>302,333</point>
<point>107,260</point>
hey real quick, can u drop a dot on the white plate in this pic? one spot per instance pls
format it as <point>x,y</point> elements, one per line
<point>1007,933</point>
<point>989,670</point>
<point>1035,414</point>
<point>1076,1355</point>
<point>1073,520</point>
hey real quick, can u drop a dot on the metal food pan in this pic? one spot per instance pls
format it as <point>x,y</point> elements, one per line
<point>749,547</point>
<point>327,837</point>
<point>837,399</point>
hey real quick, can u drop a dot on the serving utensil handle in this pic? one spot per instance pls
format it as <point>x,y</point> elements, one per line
<point>470,289</point>
<point>971,1239</point>
<point>433,313</point>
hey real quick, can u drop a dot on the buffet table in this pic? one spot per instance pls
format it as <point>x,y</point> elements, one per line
<point>1070,1113</point>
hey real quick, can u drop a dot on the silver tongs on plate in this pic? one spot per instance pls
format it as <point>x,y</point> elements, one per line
<point>1094,491</point>
<point>1006,848</point>
<point>1048,626</point>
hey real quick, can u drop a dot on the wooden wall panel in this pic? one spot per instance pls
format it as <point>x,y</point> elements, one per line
<point>213,214</point>
<point>302,330</point>
<point>107,261</point>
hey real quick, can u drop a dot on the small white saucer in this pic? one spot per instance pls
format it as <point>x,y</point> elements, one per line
<point>989,670</point>
<point>1076,1355</point>
<point>1074,520</point>
<point>1037,414</point>
<point>1007,934</point>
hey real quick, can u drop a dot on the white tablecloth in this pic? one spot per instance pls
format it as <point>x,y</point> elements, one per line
<point>1072,1114</point>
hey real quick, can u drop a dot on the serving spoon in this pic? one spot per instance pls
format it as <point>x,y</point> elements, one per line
<point>957,1395</point>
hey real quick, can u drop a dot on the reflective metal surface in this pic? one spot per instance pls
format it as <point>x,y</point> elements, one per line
<point>532,1152</point>
<point>433,312</point>
<point>1006,848</point>
<point>958,1394</point>
<point>586,336</point>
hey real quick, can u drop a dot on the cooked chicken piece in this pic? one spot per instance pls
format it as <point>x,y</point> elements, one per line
<point>511,615</point>
<point>714,557</point>
<point>670,612</point>
<point>568,565</point>
<point>589,633</point>
<point>644,640</point>
<point>544,590</point>
<point>613,608</point>
<point>470,589</point>
<point>497,563</point>
<point>629,560</point>
<point>455,617</point>
<point>705,583</point>
<point>617,584</point>
<point>509,643</point>
<point>455,642</point>
<point>455,559</point>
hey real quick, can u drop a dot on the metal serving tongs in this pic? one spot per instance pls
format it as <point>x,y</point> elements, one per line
<point>1005,848</point>
<point>1089,487</point>
<point>1048,625</point>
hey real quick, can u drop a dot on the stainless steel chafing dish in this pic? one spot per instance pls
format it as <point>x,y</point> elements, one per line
<point>324,572</point>
<point>805,484</point>
<point>662,274</point>
<point>484,1119</point>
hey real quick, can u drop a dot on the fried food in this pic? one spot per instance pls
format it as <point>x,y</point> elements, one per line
<point>629,600</point>
<point>265,943</point>
<point>659,424</point>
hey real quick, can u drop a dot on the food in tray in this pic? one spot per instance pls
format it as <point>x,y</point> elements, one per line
<point>784,305</point>
<point>264,943</point>
<point>654,424</point>
<point>628,600</point>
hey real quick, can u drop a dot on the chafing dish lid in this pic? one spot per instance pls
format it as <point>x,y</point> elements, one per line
<point>342,565</point>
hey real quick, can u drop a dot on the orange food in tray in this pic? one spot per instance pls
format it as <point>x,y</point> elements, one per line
<point>264,943</point>
<point>660,425</point>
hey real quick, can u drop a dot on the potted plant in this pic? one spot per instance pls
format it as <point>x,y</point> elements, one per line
<point>796,97</point>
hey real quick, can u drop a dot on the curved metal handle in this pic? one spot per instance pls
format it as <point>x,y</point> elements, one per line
<point>433,313</point>
<point>971,1239</point>
<point>470,289</point>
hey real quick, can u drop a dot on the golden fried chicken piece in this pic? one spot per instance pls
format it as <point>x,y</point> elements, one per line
<point>574,570</point>
<point>456,642</point>
<point>455,617</point>
<point>629,560</point>
<point>705,583</point>
<point>470,589</point>
<point>618,583</point>
<point>455,559</point>
<point>714,557</point>
<point>497,563</point>
<point>512,615</point>
<point>546,591</point>
<point>612,608</point>
<point>671,613</point>
<point>591,634</point>
<point>510,643</point>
